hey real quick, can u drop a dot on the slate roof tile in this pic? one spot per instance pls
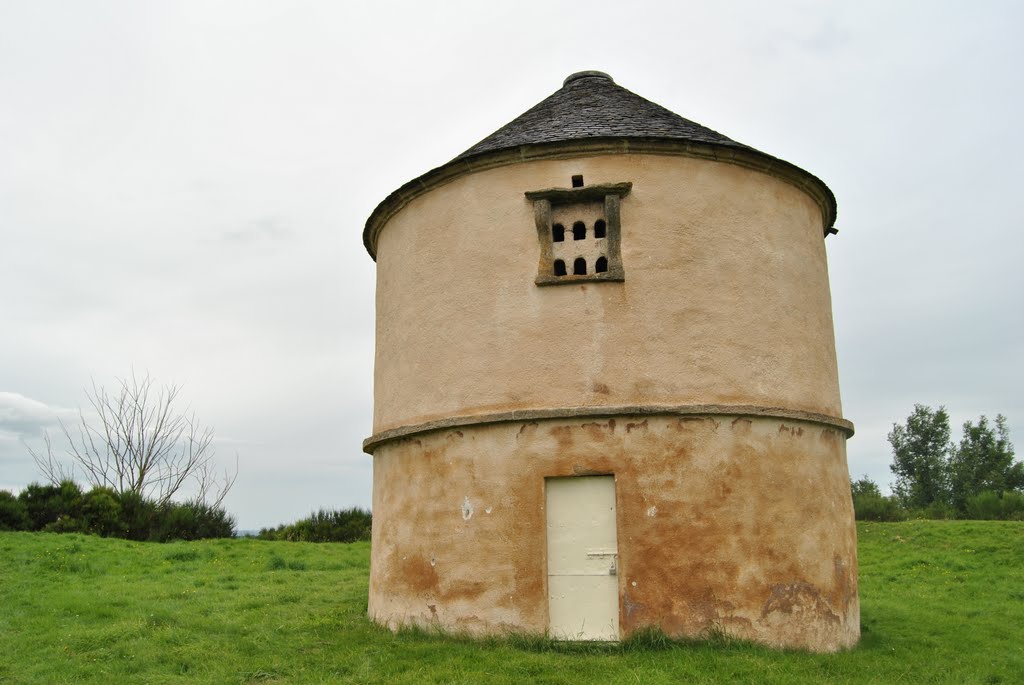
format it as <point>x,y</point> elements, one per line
<point>591,105</point>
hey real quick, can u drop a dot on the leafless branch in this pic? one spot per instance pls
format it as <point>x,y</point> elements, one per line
<point>52,470</point>
<point>141,443</point>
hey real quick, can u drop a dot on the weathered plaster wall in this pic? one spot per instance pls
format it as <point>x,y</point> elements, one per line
<point>731,523</point>
<point>726,298</point>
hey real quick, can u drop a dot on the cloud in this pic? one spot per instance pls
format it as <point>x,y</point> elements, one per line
<point>183,188</point>
<point>23,417</point>
<point>24,420</point>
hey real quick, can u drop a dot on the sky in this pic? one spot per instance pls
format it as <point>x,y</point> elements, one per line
<point>183,187</point>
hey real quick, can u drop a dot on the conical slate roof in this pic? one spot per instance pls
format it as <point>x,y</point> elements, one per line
<point>591,114</point>
<point>591,105</point>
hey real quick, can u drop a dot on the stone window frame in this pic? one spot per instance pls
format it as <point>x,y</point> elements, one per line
<point>543,202</point>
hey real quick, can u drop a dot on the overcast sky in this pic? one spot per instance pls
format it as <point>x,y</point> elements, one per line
<point>183,186</point>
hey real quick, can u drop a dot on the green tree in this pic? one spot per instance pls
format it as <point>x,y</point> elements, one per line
<point>865,487</point>
<point>920,452</point>
<point>983,461</point>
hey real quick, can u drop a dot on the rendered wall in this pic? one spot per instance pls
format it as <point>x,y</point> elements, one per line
<point>726,298</point>
<point>734,513</point>
<point>724,523</point>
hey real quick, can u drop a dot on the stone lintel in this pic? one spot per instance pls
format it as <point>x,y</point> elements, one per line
<point>591,193</point>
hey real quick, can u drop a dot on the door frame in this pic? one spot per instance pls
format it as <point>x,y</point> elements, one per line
<point>618,544</point>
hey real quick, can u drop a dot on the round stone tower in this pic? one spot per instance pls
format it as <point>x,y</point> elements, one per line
<point>606,394</point>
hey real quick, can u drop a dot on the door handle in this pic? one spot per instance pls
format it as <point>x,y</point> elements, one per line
<point>613,570</point>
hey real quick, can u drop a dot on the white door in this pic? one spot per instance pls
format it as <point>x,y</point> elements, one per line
<point>583,588</point>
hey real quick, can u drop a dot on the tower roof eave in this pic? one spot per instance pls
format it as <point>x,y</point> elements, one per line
<point>592,115</point>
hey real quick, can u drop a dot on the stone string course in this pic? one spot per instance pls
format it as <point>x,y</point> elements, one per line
<point>371,443</point>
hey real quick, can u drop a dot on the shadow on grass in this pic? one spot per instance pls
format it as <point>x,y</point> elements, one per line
<point>649,639</point>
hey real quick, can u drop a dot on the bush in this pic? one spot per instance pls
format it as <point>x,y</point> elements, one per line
<point>938,511</point>
<point>46,504</point>
<point>191,521</point>
<point>13,514</point>
<point>988,505</point>
<point>984,506</point>
<point>880,508</point>
<point>137,516</point>
<point>145,521</point>
<point>65,524</point>
<point>101,512</point>
<point>64,509</point>
<point>869,504</point>
<point>1013,506</point>
<point>345,525</point>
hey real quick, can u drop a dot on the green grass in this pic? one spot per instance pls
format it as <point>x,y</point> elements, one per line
<point>941,602</point>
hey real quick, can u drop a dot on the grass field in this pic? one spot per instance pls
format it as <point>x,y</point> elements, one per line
<point>941,602</point>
